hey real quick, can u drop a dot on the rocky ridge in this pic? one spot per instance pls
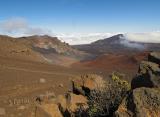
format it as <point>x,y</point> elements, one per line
<point>144,98</point>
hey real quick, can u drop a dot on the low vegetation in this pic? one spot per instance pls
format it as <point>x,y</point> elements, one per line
<point>105,100</point>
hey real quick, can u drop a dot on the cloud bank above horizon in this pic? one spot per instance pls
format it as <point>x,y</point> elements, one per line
<point>148,37</point>
<point>18,27</point>
<point>83,38</point>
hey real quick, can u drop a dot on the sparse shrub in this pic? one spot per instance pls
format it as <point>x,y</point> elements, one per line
<point>118,78</point>
<point>105,100</point>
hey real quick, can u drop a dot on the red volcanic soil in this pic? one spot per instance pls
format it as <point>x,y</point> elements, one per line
<point>124,63</point>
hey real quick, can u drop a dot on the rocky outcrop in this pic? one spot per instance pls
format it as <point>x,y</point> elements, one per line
<point>76,103</point>
<point>85,83</point>
<point>147,102</point>
<point>48,110</point>
<point>91,96</point>
<point>148,75</point>
<point>71,103</point>
<point>142,102</point>
<point>154,57</point>
<point>144,99</point>
<point>63,106</point>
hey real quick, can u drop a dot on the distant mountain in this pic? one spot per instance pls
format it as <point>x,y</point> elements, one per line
<point>44,48</point>
<point>18,49</point>
<point>117,44</point>
<point>46,45</point>
<point>55,51</point>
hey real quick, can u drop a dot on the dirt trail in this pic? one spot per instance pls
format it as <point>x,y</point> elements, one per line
<point>35,71</point>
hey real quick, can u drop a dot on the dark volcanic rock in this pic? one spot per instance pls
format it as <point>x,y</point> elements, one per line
<point>142,102</point>
<point>154,57</point>
<point>149,75</point>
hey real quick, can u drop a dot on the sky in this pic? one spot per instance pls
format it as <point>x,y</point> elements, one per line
<point>72,18</point>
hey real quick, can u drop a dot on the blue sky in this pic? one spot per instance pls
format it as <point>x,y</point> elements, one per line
<point>86,15</point>
<point>82,21</point>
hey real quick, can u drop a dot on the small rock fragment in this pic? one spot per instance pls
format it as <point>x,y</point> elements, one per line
<point>61,85</point>
<point>42,80</point>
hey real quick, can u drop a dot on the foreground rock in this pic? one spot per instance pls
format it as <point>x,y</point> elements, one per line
<point>93,96</point>
<point>154,57</point>
<point>76,103</point>
<point>85,83</point>
<point>48,110</point>
<point>149,75</point>
<point>72,103</point>
<point>64,106</point>
<point>142,102</point>
<point>144,99</point>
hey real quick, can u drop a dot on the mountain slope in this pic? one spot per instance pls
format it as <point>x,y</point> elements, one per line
<point>40,48</point>
<point>55,51</point>
<point>46,44</point>
<point>117,44</point>
<point>18,49</point>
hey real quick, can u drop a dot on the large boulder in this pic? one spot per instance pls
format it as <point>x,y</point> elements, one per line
<point>154,57</point>
<point>145,66</point>
<point>148,75</point>
<point>76,103</point>
<point>72,104</point>
<point>142,102</point>
<point>48,110</point>
<point>85,83</point>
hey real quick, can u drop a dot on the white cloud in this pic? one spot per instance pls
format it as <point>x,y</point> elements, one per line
<point>128,39</point>
<point>81,38</point>
<point>13,25</point>
<point>20,27</point>
<point>150,37</point>
<point>38,31</point>
<point>131,44</point>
